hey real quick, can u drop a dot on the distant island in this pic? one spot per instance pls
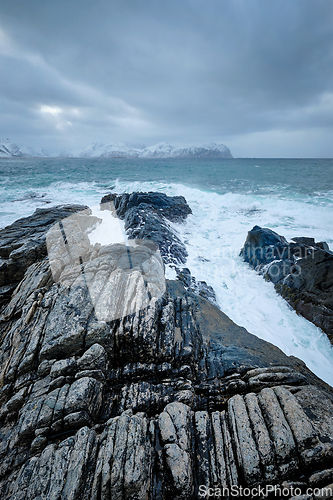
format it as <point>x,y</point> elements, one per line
<point>8,149</point>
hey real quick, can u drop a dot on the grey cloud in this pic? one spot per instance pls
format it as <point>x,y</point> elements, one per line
<point>185,71</point>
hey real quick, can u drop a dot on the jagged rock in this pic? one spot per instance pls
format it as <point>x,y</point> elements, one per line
<point>29,417</point>
<point>167,429</point>
<point>174,208</point>
<point>302,429</point>
<point>147,405</point>
<point>45,367</point>
<point>261,436</point>
<point>57,382</point>
<point>205,457</point>
<point>77,420</point>
<point>247,454</point>
<point>36,277</point>
<point>178,462</point>
<point>63,367</point>
<point>125,472</point>
<point>85,394</point>
<point>281,434</point>
<point>95,358</point>
<point>198,287</point>
<point>14,403</point>
<point>38,443</point>
<point>24,241</point>
<point>322,477</point>
<point>146,216</point>
<point>79,460</point>
<point>97,374</point>
<point>302,272</point>
<point>47,409</point>
<point>290,377</point>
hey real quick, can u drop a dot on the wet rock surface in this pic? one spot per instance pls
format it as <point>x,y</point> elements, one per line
<point>24,242</point>
<point>148,216</point>
<point>301,270</point>
<point>117,386</point>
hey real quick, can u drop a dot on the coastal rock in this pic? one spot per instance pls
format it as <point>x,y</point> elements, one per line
<point>147,217</point>
<point>24,241</point>
<point>95,358</point>
<point>198,287</point>
<point>246,450</point>
<point>302,272</point>
<point>85,394</point>
<point>154,403</point>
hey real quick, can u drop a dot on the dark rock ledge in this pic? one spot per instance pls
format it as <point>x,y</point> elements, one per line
<point>302,272</point>
<point>116,385</point>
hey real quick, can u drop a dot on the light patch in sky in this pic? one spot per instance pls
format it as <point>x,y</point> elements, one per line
<point>6,45</point>
<point>52,110</point>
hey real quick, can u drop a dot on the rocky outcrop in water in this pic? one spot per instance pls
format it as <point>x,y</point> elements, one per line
<point>301,270</point>
<point>147,216</point>
<point>117,384</point>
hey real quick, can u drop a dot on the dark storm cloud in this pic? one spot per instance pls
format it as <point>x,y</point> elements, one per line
<point>255,74</point>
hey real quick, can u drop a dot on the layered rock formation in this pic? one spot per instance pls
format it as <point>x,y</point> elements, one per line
<point>301,270</point>
<point>117,384</point>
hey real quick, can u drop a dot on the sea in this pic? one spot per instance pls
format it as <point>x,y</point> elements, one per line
<point>294,197</point>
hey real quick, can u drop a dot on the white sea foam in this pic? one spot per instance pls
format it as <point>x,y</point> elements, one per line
<point>110,230</point>
<point>242,294</point>
<point>214,235</point>
<point>21,203</point>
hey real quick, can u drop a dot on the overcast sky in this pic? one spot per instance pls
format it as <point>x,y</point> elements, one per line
<point>256,75</point>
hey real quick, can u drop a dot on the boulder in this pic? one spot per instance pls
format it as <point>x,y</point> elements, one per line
<point>146,217</point>
<point>302,272</point>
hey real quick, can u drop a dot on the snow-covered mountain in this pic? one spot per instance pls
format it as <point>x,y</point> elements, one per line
<point>161,150</point>
<point>8,149</point>
<point>35,152</point>
<point>119,150</point>
<point>212,150</point>
<point>165,150</point>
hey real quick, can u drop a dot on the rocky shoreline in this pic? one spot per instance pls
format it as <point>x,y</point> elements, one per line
<point>301,270</point>
<point>119,384</point>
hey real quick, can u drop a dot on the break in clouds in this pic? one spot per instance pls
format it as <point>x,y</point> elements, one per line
<point>256,75</point>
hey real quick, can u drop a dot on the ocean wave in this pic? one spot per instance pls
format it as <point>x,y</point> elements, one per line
<point>214,235</point>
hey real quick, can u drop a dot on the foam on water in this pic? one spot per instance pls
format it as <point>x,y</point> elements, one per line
<point>20,202</point>
<point>214,235</point>
<point>242,294</point>
<point>110,230</point>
